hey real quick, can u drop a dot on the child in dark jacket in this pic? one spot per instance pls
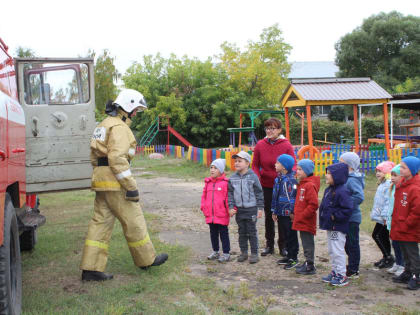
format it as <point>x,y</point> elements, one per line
<point>304,218</point>
<point>334,214</point>
<point>405,225</point>
<point>355,184</point>
<point>282,204</point>
<point>214,204</point>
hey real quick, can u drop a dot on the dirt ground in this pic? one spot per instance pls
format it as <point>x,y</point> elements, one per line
<point>177,201</point>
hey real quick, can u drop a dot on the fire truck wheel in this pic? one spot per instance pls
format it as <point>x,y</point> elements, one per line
<point>10,263</point>
<point>27,240</point>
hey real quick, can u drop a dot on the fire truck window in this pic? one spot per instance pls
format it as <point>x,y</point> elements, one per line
<point>56,84</point>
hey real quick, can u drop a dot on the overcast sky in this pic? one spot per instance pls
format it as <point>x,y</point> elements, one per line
<point>131,29</point>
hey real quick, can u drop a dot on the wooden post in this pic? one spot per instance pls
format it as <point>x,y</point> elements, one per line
<point>240,133</point>
<point>310,140</point>
<point>286,120</point>
<point>356,128</point>
<point>387,147</point>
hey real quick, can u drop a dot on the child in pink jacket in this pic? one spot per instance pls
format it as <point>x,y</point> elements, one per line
<point>214,204</point>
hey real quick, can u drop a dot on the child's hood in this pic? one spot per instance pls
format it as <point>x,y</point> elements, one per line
<point>314,180</point>
<point>359,177</point>
<point>217,179</point>
<point>339,173</point>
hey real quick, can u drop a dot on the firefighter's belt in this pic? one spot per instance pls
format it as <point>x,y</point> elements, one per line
<point>103,161</point>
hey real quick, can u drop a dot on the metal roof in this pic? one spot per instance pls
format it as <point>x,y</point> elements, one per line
<point>339,89</point>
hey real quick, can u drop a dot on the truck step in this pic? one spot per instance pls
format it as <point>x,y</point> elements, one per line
<point>32,220</point>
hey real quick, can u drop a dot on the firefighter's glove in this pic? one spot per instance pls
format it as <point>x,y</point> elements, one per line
<point>132,195</point>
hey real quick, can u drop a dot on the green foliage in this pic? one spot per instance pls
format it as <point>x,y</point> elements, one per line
<point>106,75</point>
<point>409,85</point>
<point>385,47</point>
<point>23,52</point>
<point>337,114</point>
<point>203,98</point>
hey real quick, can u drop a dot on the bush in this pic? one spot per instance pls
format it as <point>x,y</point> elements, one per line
<point>337,114</point>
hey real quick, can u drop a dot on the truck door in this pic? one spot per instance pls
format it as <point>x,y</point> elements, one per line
<point>58,98</point>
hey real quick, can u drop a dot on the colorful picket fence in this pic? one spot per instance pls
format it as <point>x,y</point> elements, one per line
<point>369,158</point>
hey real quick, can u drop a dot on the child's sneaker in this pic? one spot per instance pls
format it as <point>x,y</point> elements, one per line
<point>213,256</point>
<point>376,264</point>
<point>352,274</point>
<point>292,263</point>
<point>399,270</point>
<point>402,278</point>
<point>414,283</point>
<point>283,261</point>
<point>329,277</point>
<point>393,268</point>
<point>306,269</point>
<point>224,258</point>
<point>254,259</point>
<point>387,262</point>
<point>242,257</point>
<point>339,280</point>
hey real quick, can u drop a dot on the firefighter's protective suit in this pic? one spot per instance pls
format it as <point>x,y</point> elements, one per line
<point>112,147</point>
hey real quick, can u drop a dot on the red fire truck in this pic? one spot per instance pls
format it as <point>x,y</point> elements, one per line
<point>46,120</point>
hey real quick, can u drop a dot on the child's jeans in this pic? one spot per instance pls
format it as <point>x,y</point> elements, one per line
<point>399,260</point>
<point>336,242</point>
<point>352,247</point>
<point>217,230</point>
<point>292,243</point>
<point>247,229</point>
<point>380,235</point>
<point>308,245</point>
<point>410,251</point>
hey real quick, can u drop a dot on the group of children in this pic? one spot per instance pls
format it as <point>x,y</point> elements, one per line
<point>396,211</point>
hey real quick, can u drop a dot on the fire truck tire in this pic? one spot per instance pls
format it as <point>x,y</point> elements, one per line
<point>27,240</point>
<point>10,263</point>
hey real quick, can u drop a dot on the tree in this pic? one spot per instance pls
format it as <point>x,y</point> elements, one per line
<point>261,70</point>
<point>385,47</point>
<point>337,114</point>
<point>106,76</point>
<point>23,52</point>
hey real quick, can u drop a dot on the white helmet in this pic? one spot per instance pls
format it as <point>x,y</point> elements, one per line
<point>130,99</point>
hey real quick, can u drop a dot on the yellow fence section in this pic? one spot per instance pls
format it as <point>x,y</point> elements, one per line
<point>322,161</point>
<point>149,149</point>
<point>395,155</point>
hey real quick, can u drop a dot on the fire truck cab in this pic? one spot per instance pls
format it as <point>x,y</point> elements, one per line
<point>47,108</point>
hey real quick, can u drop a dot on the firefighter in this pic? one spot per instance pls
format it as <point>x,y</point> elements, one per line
<point>112,148</point>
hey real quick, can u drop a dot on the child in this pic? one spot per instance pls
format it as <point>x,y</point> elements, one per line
<point>355,184</point>
<point>282,204</point>
<point>379,213</point>
<point>398,266</point>
<point>304,217</point>
<point>246,195</point>
<point>215,208</point>
<point>334,216</point>
<point>405,226</point>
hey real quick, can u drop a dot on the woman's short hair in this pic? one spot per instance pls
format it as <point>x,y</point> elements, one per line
<point>273,122</point>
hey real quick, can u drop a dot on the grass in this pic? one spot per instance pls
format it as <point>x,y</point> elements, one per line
<point>51,275</point>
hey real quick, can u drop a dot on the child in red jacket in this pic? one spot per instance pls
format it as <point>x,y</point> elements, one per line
<point>304,217</point>
<point>405,225</point>
<point>214,204</point>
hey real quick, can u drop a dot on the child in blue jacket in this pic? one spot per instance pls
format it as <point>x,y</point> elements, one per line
<point>282,204</point>
<point>334,215</point>
<point>355,184</point>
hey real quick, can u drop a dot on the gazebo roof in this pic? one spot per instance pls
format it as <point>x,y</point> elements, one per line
<point>336,91</point>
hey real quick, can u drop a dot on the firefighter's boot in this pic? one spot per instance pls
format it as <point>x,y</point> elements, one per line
<point>159,260</point>
<point>88,275</point>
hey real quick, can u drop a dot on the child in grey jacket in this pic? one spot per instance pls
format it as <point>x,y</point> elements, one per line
<point>246,200</point>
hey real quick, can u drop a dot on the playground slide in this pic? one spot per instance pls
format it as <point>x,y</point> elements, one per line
<point>179,137</point>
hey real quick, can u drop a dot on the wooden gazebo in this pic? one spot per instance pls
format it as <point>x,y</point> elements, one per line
<point>336,91</point>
